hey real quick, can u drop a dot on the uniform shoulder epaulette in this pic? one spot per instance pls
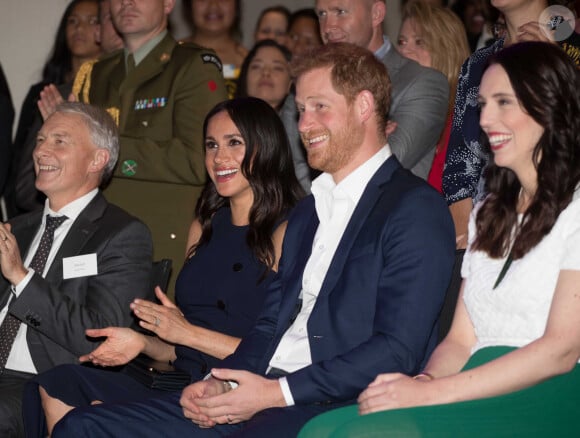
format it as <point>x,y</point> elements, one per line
<point>82,82</point>
<point>190,45</point>
<point>208,56</point>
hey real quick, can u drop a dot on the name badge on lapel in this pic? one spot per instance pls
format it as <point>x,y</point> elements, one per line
<point>79,266</point>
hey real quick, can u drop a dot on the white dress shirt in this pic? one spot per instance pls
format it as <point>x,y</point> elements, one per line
<point>20,358</point>
<point>335,204</point>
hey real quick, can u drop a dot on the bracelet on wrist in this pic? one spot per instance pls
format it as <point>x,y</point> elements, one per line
<point>227,385</point>
<point>423,374</point>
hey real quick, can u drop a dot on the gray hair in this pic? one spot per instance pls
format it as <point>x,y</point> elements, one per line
<point>102,128</point>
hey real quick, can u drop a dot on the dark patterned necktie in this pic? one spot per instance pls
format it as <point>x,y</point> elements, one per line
<point>11,324</point>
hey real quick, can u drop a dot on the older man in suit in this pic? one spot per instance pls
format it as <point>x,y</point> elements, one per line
<point>21,192</point>
<point>366,261</point>
<point>420,95</point>
<point>77,264</point>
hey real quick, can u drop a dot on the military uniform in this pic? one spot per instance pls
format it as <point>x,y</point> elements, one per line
<point>160,107</point>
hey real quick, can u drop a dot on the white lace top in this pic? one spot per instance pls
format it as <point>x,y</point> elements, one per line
<point>516,311</point>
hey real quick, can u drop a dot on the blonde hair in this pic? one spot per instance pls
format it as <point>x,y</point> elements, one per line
<point>444,36</point>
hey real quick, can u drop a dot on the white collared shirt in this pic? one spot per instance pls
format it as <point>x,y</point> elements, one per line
<point>384,49</point>
<point>20,358</point>
<point>335,204</point>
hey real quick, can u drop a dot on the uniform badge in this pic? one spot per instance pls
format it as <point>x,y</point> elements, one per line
<point>129,168</point>
<point>114,113</point>
<point>208,58</point>
<point>156,102</point>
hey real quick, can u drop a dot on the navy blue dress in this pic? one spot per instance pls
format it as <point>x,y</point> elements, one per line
<point>218,288</point>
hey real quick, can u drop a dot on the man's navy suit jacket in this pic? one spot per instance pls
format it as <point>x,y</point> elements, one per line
<point>378,306</point>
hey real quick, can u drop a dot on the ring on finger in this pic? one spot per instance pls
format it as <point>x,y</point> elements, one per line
<point>228,418</point>
<point>157,322</point>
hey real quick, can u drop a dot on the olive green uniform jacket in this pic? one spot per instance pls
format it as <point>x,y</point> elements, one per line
<point>160,107</point>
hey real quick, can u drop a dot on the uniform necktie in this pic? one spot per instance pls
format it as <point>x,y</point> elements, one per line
<point>11,324</point>
<point>130,63</point>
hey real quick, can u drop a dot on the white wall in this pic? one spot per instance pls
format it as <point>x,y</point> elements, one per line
<point>28,27</point>
<point>27,30</point>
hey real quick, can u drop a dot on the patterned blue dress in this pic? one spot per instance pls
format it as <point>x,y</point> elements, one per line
<point>466,155</point>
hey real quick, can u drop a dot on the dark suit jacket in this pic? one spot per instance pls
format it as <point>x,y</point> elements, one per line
<point>58,311</point>
<point>419,103</point>
<point>377,309</point>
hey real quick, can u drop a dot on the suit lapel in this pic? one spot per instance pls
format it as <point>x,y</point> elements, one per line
<point>374,189</point>
<point>304,235</point>
<point>80,232</point>
<point>26,231</point>
<point>393,61</point>
<point>118,74</point>
<point>155,61</point>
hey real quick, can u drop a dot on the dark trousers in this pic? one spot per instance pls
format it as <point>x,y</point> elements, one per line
<point>163,416</point>
<point>11,386</point>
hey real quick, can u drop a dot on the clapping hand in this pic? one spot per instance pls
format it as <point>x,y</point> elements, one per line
<point>121,346</point>
<point>165,320</point>
<point>50,98</point>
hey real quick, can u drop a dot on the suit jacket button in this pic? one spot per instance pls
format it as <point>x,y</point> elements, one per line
<point>221,305</point>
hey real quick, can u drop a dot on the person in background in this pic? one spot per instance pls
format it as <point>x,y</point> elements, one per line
<point>509,366</point>
<point>75,42</point>
<point>419,95</point>
<point>472,15</point>
<point>233,250</point>
<point>107,36</point>
<point>76,264</point>
<point>434,37</point>
<point>216,25</point>
<point>466,157</point>
<point>159,92</point>
<point>272,24</point>
<point>303,31</point>
<point>266,74</point>
<point>6,121</point>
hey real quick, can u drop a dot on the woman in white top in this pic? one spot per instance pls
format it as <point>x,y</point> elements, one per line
<point>509,365</point>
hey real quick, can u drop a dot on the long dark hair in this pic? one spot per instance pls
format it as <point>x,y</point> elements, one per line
<point>268,167</point>
<point>546,83</point>
<point>59,65</point>
<point>242,89</point>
